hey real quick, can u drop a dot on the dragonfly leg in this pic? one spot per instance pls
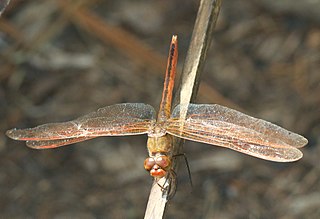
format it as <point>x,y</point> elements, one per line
<point>171,189</point>
<point>173,184</point>
<point>187,164</point>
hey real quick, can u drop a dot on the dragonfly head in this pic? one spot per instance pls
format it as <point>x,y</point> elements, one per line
<point>158,165</point>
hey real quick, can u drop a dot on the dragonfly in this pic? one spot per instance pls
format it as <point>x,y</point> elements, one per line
<point>206,123</point>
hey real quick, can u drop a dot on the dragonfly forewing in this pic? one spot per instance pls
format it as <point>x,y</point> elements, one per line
<point>55,143</point>
<point>221,126</point>
<point>116,120</point>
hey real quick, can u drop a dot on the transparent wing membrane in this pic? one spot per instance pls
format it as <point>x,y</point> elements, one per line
<point>55,143</point>
<point>116,120</point>
<point>221,126</point>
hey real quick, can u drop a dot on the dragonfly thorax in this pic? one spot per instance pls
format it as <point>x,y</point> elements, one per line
<point>157,130</point>
<point>161,144</point>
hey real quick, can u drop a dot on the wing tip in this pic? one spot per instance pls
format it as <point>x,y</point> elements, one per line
<point>11,134</point>
<point>292,155</point>
<point>19,134</point>
<point>302,142</point>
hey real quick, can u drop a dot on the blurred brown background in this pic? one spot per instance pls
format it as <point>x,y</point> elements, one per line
<point>62,59</point>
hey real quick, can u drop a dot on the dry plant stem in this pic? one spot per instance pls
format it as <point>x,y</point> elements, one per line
<point>132,46</point>
<point>98,27</point>
<point>206,18</point>
<point>3,5</point>
<point>128,44</point>
<point>42,37</point>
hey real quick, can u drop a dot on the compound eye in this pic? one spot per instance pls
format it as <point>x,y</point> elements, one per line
<point>149,163</point>
<point>163,162</point>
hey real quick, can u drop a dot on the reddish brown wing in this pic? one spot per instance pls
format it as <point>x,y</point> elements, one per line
<point>55,143</point>
<point>116,120</point>
<point>221,126</point>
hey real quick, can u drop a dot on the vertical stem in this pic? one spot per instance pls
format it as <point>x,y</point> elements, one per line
<point>206,18</point>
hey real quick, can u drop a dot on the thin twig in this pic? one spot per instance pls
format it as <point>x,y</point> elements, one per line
<point>109,34</point>
<point>133,47</point>
<point>206,18</point>
<point>3,5</point>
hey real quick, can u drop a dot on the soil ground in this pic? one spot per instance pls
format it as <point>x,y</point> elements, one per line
<point>264,60</point>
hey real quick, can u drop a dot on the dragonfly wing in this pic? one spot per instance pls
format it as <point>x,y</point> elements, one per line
<point>221,126</point>
<point>55,143</point>
<point>116,120</point>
